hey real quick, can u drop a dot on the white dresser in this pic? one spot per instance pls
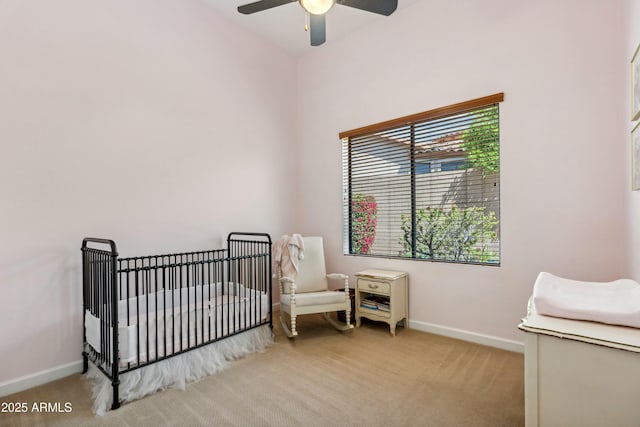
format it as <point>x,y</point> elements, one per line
<point>580,373</point>
<point>383,295</point>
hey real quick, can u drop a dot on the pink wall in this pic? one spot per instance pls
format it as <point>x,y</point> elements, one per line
<point>126,120</point>
<point>633,39</point>
<point>564,144</point>
<point>155,123</point>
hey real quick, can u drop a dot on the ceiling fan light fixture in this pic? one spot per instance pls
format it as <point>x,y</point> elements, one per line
<point>317,7</point>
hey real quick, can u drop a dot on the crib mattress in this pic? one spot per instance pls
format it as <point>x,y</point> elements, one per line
<point>182,319</point>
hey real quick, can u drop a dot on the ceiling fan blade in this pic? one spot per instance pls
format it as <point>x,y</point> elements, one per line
<point>381,7</point>
<point>317,29</point>
<point>259,6</point>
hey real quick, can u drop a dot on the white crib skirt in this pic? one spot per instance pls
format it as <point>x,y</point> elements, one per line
<point>580,373</point>
<point>177,371</point>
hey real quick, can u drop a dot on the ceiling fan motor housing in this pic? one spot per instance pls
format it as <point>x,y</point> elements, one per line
<point>317,7</point>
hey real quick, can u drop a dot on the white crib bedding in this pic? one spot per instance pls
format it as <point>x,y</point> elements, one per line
<point>197,315</point>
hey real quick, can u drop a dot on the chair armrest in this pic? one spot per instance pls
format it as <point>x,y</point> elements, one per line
<point>339,276</point>
<point>284,281</point>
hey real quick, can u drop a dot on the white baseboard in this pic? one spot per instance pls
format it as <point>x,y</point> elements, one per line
<point>463,335</point>
<point>460,334</point>
<point>33,380</point>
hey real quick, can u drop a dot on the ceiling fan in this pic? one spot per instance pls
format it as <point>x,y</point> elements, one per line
<point>317,10</point>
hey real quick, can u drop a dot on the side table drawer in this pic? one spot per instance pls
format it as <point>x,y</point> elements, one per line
<point>374,286</point>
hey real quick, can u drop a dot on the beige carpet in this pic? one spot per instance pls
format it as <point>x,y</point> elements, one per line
<point>322,378</point>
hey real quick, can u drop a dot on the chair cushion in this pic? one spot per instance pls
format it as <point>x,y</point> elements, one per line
<point>314,298</point>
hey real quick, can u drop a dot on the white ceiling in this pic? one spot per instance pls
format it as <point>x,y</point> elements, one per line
<point>284,25</point>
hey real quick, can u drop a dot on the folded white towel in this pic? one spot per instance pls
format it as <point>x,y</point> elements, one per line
<point>616,303</point>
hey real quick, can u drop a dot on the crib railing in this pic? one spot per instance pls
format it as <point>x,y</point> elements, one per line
<point>155,299</point>
<point>100,298</point>
<point>250,262</point>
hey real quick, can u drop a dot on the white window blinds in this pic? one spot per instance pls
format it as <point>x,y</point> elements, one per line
<point>426,186</point>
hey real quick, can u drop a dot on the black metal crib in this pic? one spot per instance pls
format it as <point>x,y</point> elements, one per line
<point>161,306</point>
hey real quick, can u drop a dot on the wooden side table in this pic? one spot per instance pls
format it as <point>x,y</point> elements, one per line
<point>383,295</point>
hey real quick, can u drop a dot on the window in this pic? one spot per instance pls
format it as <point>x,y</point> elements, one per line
<point>428,166</point>
<point>426,186</point>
